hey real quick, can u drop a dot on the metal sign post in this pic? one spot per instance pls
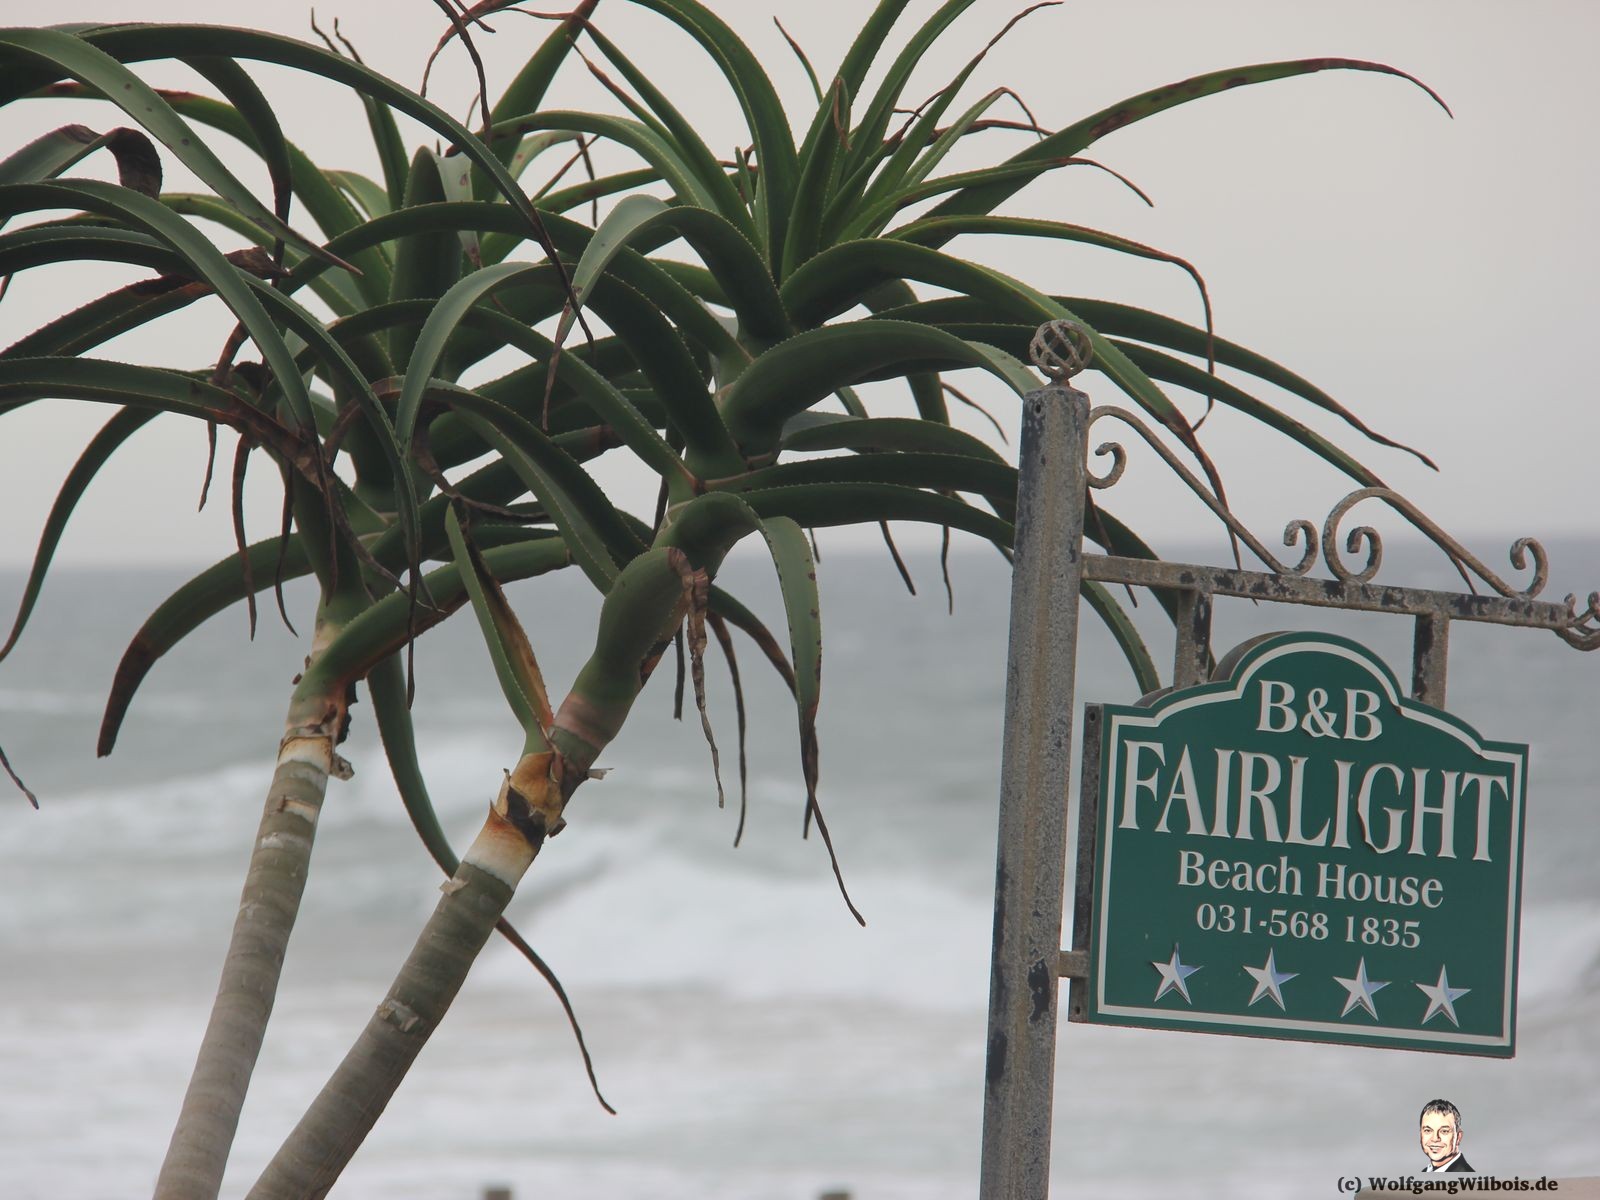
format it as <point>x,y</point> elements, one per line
<point>1051,568</point>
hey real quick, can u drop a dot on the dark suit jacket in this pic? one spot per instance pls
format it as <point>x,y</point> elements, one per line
<point>1460,1164</point>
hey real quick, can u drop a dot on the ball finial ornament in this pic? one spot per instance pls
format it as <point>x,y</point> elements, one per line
<point>1061,349</point>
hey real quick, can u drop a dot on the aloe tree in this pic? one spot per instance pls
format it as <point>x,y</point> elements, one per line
<point>417,480</point>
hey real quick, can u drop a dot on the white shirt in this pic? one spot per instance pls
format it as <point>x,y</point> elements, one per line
<point>1444,1166</point>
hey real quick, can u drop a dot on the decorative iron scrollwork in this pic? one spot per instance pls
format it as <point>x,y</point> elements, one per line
<point>1294,533</point>
<point>1581,630</point>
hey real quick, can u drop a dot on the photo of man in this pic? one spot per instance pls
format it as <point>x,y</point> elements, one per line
<point>1441,1137</point>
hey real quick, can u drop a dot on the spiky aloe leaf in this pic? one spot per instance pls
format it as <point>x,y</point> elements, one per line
<point>1125,633</point>
<point>257,112</point>
<point>1167,369</point>
<point>366,193</point>
<point>1121,320</point>
<point>813,365</point>
<point>138,164</point>
<point>78,58</point>
<point>207,261</point>
<point>209,593</point>
<point>109,316</point>
<point>939,471</point>
<point>322,198</point>
<point>95,455</point>
<point>41,245</point>
<point>763,113</point>
<point>831,281</point>
<point>817,173</point>
<point>130,385</point>
<point>427,263</point>
<point>816,507</point>
<point>599,540</point>
<point>802,604</point>
<point>131,43</point>
<point>937,231</point>
<point>709,174</point>
<point>986,196</point>
<point>879,111</point>
<point>726,252</point>
<point>452,308</point>
<point>903,153</point>
<point>656,150</point>
<point>526,92</point>
<point>509,649</point>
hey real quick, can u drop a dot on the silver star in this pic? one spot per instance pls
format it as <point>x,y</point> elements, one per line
<point>1174,976</point>
<point>1269,980</point>
<point>1361,989</point>
<point>1442,998</point>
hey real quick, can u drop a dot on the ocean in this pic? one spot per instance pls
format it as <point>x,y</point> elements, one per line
<point>757,1044</point>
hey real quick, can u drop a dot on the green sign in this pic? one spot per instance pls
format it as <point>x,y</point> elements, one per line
<point>1300,851</point>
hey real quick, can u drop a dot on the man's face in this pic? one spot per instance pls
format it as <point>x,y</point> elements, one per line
<point>1440,1137</point>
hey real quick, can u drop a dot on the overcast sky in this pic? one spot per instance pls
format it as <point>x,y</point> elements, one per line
<point>1436,275</point>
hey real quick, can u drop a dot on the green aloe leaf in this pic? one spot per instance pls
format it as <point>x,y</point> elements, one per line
<point>671,298</point>
<point>967,318</point>
<point>130,43</point>
<point>1167,369</point>
<point>351,387</point>
<point>526,92</point>
<point>818,174</point>
<point>879,111</point>
<point>900,153</point>
<point>592,529</point>
<point>95,455</point>
<point>367,194</point>
<point>614,407</point>
<point>802,603</point>
<point>812,365</point>
<point>323,199</point>
<point>1124,321</point>
<point>427,263</point>
<point>385,626</point>
<point>763,113</point>
<point>40,245</point>
<point>152,217</point>
<point>838,277</point>
<point>514,663</point>
<point>726,252</point>
<point>656,150</point>
<point>733,610</point>
<point>84,61</point>
<point>940,471</point>
<point>708,173</point>
<point>108,316</point>
<point>455,178</point>
<point>937,231</point>
<point>1125,633</point>
<point>339,290</point>
<point>138,164</point>
<point>986,196</point>
<point>817,507</point>
<point>128,384</point>
<point>207,594</point>
<point>236,86</point>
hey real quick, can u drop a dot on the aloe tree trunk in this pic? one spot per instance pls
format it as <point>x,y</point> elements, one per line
<point>646,604</point>
<point>268,905</point>
<point>333,1128</point>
